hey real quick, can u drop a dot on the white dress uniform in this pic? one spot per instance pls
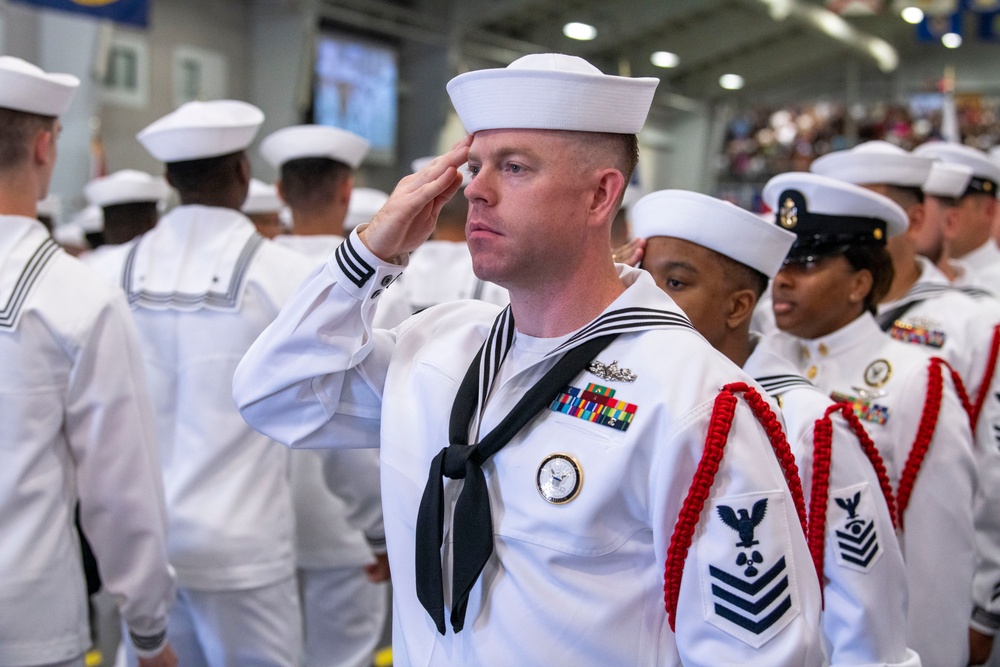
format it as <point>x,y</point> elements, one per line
<point>202,285</point>
<point>865,592</point>
<point>309,386</point>
<point>344,613</point>
<point>441,271</point>
<point>887,381</point>
<point>76,423</point>
<point>950,323</point>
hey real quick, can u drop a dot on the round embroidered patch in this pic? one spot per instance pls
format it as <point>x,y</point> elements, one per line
<point>559,478</point>
<point>878,373</point>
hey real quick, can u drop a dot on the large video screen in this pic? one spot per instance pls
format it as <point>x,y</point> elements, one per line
<point>356,89</point>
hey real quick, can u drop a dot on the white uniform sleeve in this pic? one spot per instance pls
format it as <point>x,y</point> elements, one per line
<point>749,593</point>
<point>353,476</point>
<point>314,377</point>
<point>865,592</point>
<point>986,584</point>
<point>109,427</point>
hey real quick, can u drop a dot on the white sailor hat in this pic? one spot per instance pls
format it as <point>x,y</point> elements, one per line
<point>714,224</point>
<point>301,141</point>
<point>364,204</point>
<point>874,162</point>
<point>994,154</point>
<point>89,219</point>
<point>948,179</point>
<point>70,234</point>
<point>199,130</point>
<point>25,87</point>
<point>422,162</point>
<point>829,216</point>
<point>985,174</point>
<point>262,198</point>
<point>125,187</point>
<point>51,206</point>
<point>551,91</point>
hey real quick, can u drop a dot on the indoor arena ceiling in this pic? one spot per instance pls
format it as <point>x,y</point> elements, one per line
<point>764,41</point>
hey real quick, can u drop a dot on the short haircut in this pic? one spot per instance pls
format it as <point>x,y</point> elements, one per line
<point>310,183</point>
<point>205,175</point>
<point>906,196</point>
<point>17,129</point>
<point>740,276</point>
<point>605,149</point>
<point>876,260</point>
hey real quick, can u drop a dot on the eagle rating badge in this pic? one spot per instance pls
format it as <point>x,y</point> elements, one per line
<point>856,535</point>
<point>746,568</point>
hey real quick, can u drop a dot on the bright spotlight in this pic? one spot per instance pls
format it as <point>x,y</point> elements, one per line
<point>581,31</point>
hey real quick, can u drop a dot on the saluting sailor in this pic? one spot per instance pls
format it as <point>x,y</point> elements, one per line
<point>559,545</point>
<point>715,260</point>
<point>202,285</point>
<point>922,308</point>
<point>76,415</point>
<point>824,299</point>
<point>441,270</point>
<point>972,257</point>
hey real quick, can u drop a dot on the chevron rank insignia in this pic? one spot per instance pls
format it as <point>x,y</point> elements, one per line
<point>853,526</point>
<point>748,580</point>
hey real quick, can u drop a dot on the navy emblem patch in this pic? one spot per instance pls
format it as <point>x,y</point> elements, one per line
<point>748,577</point>
<point>854,532</point>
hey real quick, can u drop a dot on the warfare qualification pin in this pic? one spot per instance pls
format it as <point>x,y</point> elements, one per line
<point>611,372</point>
<point>878,373</point>
<point>559,479</point>
<point>788,216</point>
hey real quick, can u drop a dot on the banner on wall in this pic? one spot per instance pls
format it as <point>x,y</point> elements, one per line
<point>132,12</point>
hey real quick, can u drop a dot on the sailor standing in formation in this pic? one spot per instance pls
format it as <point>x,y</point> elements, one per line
<point>76,415</point>
<point>521,573</point>
<point>714,260</point>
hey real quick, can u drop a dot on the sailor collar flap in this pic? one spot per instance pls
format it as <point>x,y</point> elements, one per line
<point>196,257</point>
<point>26,249</point>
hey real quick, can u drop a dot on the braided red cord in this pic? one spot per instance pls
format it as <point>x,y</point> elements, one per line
<point>776,434</point>
<point>984,386</point>
<point>928,422</point>
<point>701,485</point>
<point>718,435</point>
<point>871,451</point>
<point>819,494</point>
<point>963,395</point>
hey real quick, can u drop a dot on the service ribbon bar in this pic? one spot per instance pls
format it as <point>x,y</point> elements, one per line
<point>909,333</point>
<point>595,404</point>
<point>864,410</point>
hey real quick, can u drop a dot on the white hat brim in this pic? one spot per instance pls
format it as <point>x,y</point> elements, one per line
<point>507,98</point>
<point>714,224</point>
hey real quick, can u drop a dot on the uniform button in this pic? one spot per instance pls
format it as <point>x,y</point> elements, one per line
<point>811,373</point>
<point>805,352</point>
<point>376,293</point>
<point>823,349</point>
<point>386,281</point>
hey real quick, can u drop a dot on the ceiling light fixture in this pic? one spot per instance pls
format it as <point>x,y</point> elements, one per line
<point>731,81</point>
<point>951,40</point>
<point>581,31</point>
<point>912,15</point>
<point>665,59</point>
